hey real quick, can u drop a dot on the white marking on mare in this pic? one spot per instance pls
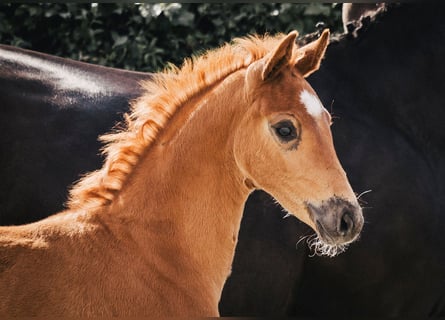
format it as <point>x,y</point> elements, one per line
<point>312,103</point>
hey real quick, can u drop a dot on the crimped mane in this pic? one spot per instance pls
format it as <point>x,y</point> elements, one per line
<point>150,113</point>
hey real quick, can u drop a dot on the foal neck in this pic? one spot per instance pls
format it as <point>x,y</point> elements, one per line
<point>187,194</point>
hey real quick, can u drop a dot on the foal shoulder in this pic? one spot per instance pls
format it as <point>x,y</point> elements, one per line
<point>15,242</point>
<point>32,240</point>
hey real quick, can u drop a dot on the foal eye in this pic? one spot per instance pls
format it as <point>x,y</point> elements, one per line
<point>285,131</point>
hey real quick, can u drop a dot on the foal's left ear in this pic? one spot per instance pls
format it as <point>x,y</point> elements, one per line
<point>312,54</point>
<point>280,57</point>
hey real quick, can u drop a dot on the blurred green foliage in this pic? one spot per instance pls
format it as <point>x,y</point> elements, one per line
<point>145,36</point>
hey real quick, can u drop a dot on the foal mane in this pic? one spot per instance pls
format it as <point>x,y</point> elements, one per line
<point>164,94</point>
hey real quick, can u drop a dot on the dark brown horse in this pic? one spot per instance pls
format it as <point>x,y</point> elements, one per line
<point>53,110</point>
<point>385,88</point>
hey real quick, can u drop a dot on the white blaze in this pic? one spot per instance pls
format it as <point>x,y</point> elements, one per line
<point>312,103</point>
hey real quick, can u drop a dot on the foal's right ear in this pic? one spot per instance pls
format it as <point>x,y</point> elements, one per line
<point>312,54</point>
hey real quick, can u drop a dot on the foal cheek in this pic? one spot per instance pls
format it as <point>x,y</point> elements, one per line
<point>249,147</point>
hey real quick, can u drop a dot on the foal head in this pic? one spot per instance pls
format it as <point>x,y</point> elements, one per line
<point>284,145</point>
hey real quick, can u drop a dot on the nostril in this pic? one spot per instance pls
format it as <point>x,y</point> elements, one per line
<point>346,223</point>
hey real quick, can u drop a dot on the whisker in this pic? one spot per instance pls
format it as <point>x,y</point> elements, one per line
<point>361,201</point>
<point>363,193</point>
<point>319,248</point>
<point>302,238</point>
<point>286,213</point>
<point>332,107</point>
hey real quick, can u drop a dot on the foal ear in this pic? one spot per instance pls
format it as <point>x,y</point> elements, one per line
<point>280,57</point>
<point>311,55</point>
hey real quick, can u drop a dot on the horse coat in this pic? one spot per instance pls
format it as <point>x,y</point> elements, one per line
<point>53,110</point>
<point>385,90</point>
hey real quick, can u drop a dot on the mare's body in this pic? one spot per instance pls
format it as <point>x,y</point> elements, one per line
<point>53,110</point>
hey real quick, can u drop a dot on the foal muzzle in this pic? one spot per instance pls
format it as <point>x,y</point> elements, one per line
<point>338,221</point>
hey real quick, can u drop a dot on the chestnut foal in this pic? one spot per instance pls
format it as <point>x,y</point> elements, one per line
<point>154,231</point>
